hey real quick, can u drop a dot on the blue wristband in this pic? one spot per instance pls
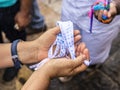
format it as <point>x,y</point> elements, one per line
<point>16,61</point>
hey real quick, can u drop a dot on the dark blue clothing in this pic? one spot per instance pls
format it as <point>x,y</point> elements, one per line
<point>7,23</point>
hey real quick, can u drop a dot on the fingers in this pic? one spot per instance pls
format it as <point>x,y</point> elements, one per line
<point>100,15</point>
<point>80,48</point>
<point>76,32</point>
<point>80,68</point>
<point>108,20</point>
<point>55,30</point>
<point>110,14</point>
<point>86,53</point>
<point>77,38</point>
<point>112,10</point>
<point>79,60</point>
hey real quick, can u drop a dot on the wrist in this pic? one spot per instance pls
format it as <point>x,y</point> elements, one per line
<point>44,73</point>
<point>43,78</point>
<point>26,52</point>
<point>49,70</point>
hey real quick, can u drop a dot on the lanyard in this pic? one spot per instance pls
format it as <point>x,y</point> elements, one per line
<point>64,45</point>
<point>64,42</point>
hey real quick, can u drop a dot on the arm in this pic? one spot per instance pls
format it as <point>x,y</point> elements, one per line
<point>23,17</point>
<point>5,56</point>
<point>40,79</point>
<point>26,6</point>
<point>31,51</point>
<point>34,51</point>
<point>23,48</point>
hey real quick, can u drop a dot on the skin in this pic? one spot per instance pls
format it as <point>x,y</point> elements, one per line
<point>35,51</point>
<point>60,67</point>
<point>40,79</point>
<point>23,17</point>
<point>31,51</point>
<point>110,14</point>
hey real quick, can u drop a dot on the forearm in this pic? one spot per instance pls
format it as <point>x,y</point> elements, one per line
<point>27,53</point>
<point>26,6</point>
<point>5,56</point>
<point>39,80</point>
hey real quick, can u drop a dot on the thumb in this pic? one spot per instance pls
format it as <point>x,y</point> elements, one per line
<point>86,53</point>
<point>78,65</point>
<point>55,30</point>
<point>79,60</point>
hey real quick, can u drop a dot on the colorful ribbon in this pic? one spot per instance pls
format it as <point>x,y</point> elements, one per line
<point>98,5</point>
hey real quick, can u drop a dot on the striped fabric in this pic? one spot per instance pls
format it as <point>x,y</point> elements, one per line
<point>99,41</point>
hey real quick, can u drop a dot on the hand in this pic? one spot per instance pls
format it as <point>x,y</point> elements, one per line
<point>66,67</point>
<point>110,14</point>
<point>58,67</point>
<point>34,51</point>
<point>22,20</point>
<point>47,39</point>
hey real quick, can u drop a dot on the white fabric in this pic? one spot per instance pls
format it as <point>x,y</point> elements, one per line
<point>64,41</point>
<point>40,64</point>
<point>64,44</point>
<point>86,62</point>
